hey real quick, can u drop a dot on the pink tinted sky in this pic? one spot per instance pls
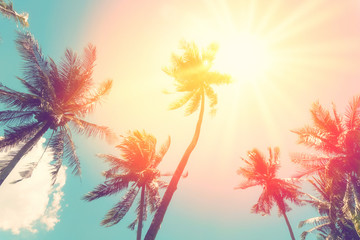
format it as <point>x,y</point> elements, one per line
<point>315,47</point>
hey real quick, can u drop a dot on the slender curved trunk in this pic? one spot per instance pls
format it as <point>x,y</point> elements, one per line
<point>170,190</point>
<point>23,150</point>
<point>140,223</point>
<point>289,226</point>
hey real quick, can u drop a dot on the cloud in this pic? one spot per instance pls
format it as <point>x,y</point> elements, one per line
<point>32,203</point>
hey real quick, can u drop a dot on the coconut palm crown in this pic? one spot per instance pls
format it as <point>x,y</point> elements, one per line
<point>261,172</point>
<point>135,171</point>
<point>58,97</point>
<point>193,76</point>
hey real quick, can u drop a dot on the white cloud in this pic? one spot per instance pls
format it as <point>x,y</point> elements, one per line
<point>32,202</point>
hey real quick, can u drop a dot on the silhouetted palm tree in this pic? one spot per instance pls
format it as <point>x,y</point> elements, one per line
<point>337,142</point>
<point>59,96</point>
<point>262,172</point>
<point>137,167</point>
<point>8,11</point>
<point>324,226</point>
<point>193,77</point>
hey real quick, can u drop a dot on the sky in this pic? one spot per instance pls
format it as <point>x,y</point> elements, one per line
<point>283,56</point>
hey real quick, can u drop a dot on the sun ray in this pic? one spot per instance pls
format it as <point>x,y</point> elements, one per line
<point>267,115</point>
<point>293,19</point>
<point>251,16</point>
<point>264,21</point>
<point>295,28</point>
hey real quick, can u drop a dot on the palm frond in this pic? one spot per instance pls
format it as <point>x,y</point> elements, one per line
<point>314,221</point>
<point>88,62</point>
<point>7,10</point>
<point>323,120</point>
<point>29,87</point>
<point>37,68</point>
<point>246,184</point>
<point>133,224</point>
<point>69,73</point>
<point>153,196</point>
<point>16,117</point>
<point>77,76</point>
<point>316,138</point>
<point>194,103</point>
<point>182,101</point>
<point>120,209</point>
<point>14,135</point>
<point>218,78</point>
<point>337,118</point>
<point>60,84</point>
<point>210,93</point>
<point>352,119</point>
<point>70,153</point>
<point>109,187</point>
<point>93,130</point>
<point>56,144</point>
<point>163,150</point>
<point>145,208</point>
<point>264,204</point>
<point>88,103</point>
<point>20,101</point>
<point>316,228</point>
<point>116,164</point>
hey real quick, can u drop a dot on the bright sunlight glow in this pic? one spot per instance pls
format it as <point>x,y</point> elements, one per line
<point>244,56</point>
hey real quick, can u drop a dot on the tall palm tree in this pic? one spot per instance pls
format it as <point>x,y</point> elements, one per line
<point>59,97</point>
<point>8,11</point>
<point>262,172</point>
<point>136,171</point>
<point>336,140</point>
<point>193,77</point>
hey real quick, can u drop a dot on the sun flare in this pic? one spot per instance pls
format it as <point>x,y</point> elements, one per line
<point>245,56</point>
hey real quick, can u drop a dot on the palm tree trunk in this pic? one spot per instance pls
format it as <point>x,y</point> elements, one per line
<point>23,150</point>
<point>160,213</point>
<point>289,226</point>
<point>142,203</point>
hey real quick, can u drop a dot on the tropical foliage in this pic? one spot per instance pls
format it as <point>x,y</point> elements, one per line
<point>335,139</point>
<point>194,78</point>
<point>326,225</point>
<point>7,10</point>
<point>58,98</point>
<point>261,172</point>
<point>135,171</point>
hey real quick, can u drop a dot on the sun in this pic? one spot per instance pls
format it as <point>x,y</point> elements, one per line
<point>245,56</point>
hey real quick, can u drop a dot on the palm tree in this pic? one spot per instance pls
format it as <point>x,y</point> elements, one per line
<point>193,77</point>
<point>262,172</point>
<point>8,11</point>
<point>136,171</point>
<point>58,98</point>
<point>333,223</point>
<point>336,140</point>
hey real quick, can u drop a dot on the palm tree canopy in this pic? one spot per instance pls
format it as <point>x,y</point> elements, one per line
<point>335,137</point>
<point>336,141</point>
<point>193,76</point>
<point>260,171</point>
<point>134,169</point>
<point>336,211</point>
<point>58,96</point>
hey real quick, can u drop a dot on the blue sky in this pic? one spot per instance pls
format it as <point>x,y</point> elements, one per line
<point>318,51</point>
